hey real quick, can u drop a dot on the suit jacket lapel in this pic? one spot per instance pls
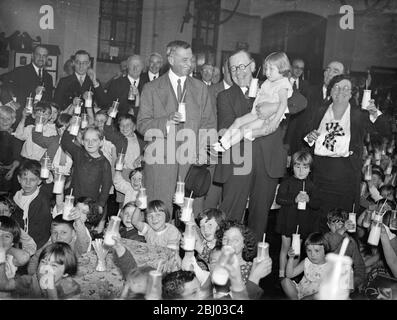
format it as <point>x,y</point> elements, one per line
<point>166,94</point>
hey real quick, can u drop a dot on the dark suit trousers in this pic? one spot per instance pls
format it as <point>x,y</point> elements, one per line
<point>213,197</point>
<point>259,187</point>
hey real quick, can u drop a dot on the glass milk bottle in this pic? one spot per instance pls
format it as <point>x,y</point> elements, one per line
<point>368,173</point>
<point>77,107</point>
<point>39,94</point>
<point>335,282</point>
<point>302,204</point>
<point>142,197</point>
<point>112,230</point>
<point>220,275</point>
<point>253,88</point>
<point>75,126</point>
<point>189,236</point>
<point>131,95</point>
<point>187,210</point>
<point>39,124</point>
<point>59,183</point>
<point>84,121</point>
<point>88,101</point>
<point>374,235</point>
<point>29,105</point>
<point>368,216</point>
<point>352,217</point>
<point>120,162</point>
<point>68,206</point>
<point>154,288</point>
<point>45,167</point>
<point>180,193</point>
<point>393,220</point>
<point>263,251</point>
<point>296,243</point>
<point>114,109</point>
<point>182,111</point>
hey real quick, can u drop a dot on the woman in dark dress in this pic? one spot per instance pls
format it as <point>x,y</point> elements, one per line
<point>336,135</point>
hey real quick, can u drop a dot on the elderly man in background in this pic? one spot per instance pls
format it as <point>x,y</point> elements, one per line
<point>207,71</point>
<point>155,65</point>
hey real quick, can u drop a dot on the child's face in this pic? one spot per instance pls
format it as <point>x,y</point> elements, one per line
<point>127,216</point>
<point>61,233</point>
<point>272,72</point>
<point>376,180</point>
<point>127,127</point>
<point>136,180</point>
<point>45,114</point>
<point>387,195</point>
<point>92,142</point>
<point>334,226</point>
<point>29,182</point>
<point>301,170</point>
<point>57,269</point>
<point>100,120</point>
<point>156,220</point>
<point>208,228</point>
<point>7,239</point>
<point>4,210</point>
<point>54,115</point>
<point>235,239</point>
<point>315,253</point>
<point>6,121</point>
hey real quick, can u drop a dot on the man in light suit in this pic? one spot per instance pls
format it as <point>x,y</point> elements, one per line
<point>159,121</point>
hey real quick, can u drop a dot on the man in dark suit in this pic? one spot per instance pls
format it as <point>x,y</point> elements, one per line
<point>207,71</point>
<point>154,68</point>
<point>120,88</point>
<point>296,121</point>
<point>267,154</point>
<point>160,122</point>
<point>79,83</point>
<point>213,197</point>
<point>25,81</point>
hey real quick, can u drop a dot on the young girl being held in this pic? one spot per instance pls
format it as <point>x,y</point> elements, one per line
<point>276,89</point>
<point>290,194</point>
<point>313,267</point>
<point>156,230</point>
<point>53,277</point>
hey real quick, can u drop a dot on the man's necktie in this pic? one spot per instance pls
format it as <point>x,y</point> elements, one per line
<point>41,75</point>
<point>134,83</point>
<point>81,80</point>
<point>154,78</point>
<point>179,90</point>
<point>294,87</point>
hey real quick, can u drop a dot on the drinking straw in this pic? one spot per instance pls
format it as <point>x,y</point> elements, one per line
<point>117,100</point>
<point>118,213</point>
<point>297,229</point>
<point>258,71</point>
<point>191,194</point>
<point>303,185</point>
<point>71,191</point>
<point>159,265</point>
<point>30,95</point>
<point>353,207</point>
<point>89,89</point>
<point>264,236</point>
<point>380,211</point>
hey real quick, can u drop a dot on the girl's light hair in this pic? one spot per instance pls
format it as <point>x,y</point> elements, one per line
<point>281,61</point>
<point>302,156</point>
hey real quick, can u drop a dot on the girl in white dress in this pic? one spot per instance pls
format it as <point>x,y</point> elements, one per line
<point>276,89</point>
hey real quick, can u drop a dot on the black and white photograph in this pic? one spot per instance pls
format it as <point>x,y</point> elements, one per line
<point>201,150</point>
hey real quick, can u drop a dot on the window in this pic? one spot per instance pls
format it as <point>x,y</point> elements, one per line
<point>205,28</point>
<point>119,29</point>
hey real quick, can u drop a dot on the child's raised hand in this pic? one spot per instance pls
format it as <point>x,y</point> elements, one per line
<point>47,279</point>
<point>300,197</point>
<point>260,269</point>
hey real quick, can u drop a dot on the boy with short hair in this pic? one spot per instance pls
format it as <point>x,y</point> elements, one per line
<point>337,221</point>
<point>33,212</point>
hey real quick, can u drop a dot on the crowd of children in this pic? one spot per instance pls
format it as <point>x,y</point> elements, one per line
<point>45,161</point>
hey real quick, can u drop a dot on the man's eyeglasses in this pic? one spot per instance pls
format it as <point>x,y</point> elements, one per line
<point>241,67</point>
<point>344,89</point>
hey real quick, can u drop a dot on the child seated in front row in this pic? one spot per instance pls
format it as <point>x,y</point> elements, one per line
<point>156,230</point>
<point>313,267</point>
<point>73,233</point>
<point>52,278</point>
<point>338,224</point>
<point>7,208</point>
<point>127,230</point>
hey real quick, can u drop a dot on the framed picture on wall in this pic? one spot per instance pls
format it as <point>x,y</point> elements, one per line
<point>22,59</point>
<point>53,74</point>
<point>51,63</point>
